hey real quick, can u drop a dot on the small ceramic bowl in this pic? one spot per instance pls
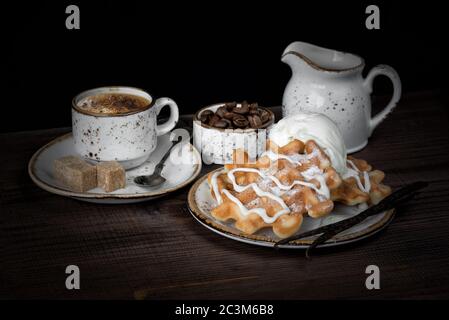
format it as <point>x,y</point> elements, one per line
<point>216,145</point>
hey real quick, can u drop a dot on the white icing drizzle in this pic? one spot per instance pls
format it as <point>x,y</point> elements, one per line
<point>354,167</point>
<point>309,174</point>
<point>215,186</point>
<point>367,181</point>
<point>316,173</point>
<point>354,172</point>
<point>261,212</point>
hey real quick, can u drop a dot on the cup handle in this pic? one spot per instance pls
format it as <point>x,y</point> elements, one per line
<point>397,88</point>
<point>174,115</point>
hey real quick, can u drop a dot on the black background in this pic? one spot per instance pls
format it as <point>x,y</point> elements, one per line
<point>198,53</point>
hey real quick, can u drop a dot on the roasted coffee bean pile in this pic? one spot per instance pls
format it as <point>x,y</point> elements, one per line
<point>232,116</point>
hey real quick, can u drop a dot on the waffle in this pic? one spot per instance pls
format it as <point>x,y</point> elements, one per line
<point>287,183</point>
<point>368,188</point>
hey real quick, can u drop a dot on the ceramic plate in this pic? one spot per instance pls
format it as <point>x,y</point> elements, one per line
<point>178,176</point>
<point>201,202</point>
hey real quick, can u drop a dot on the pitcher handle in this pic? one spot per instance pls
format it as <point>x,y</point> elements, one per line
<point>397,88</point>
<point>174,115</point>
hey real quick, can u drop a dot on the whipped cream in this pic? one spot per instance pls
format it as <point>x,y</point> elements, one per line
<point>306,126</point>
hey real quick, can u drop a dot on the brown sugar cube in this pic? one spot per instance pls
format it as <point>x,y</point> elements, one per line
<point>111,176</point>
<point>75,173</point>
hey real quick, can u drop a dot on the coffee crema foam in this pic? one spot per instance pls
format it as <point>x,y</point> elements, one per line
<point>112,103</point>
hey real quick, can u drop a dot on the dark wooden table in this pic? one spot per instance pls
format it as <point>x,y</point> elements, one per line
<point>157,250</point>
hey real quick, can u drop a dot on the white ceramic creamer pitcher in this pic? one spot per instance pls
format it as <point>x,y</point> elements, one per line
<point>330,82</point>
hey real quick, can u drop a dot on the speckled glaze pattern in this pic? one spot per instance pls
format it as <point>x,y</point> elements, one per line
<point>124,138</point>
<point>127,138</point>
<point>330,82</point>
<point>217,145</point>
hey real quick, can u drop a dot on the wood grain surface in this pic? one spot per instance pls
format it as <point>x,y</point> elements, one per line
<point>156,250</point>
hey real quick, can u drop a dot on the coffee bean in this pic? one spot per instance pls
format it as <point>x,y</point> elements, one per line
<point>229,123</point>
<point>264,115</point>
<point>238,116</point>
<point>253,111</point>
<point>222,124</point>
<point>240,121</point>
<point>213,120</point>
<point>221,111</point>
<point>254,121</point>
<point>228,115</point>
<point>207,113</point>
<point>204,118</point>
<point>243,109</point>
<point>230,105</point>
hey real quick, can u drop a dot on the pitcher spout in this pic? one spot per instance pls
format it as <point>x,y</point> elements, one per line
<point>299,54</point>
<point>292,55</point>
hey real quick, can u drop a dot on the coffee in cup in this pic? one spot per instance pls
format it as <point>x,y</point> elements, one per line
<point>112,103</point>
<point>119,123</point>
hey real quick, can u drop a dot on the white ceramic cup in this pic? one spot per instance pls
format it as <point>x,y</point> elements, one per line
<point>128,138</point>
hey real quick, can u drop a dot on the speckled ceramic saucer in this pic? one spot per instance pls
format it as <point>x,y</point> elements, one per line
<point>177,175</point>
<point>201,203</point>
